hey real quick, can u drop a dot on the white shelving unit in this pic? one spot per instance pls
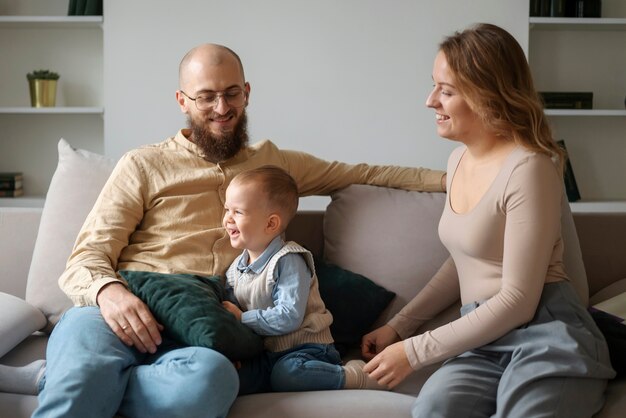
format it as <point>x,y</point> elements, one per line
<point>585,112</point>
<point>52,110</point>
<point>578,23</point>
<point>602,207</point>
<point>71,46</point>
<point>587,55</point>
<point>50,21</point>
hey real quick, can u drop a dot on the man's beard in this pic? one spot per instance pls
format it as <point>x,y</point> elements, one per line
<point>223,146</point>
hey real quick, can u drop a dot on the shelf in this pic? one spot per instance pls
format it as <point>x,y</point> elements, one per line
<point>616,206</point>
<point>22,202</point>
<point>577,23</point>
<point>51,21</point>
<point>52,110</point>
<point>585,112</point>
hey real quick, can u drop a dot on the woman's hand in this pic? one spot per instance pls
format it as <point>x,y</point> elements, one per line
<point>390,367</point>
<point>376,341</point>
<point>233,309</point>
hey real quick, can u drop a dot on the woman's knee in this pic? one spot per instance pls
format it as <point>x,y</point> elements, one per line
<point>430,404</point>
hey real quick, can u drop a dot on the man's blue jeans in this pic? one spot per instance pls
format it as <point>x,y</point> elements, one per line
<point>90,372</point>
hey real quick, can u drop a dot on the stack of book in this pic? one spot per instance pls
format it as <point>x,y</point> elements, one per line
<point>85,7</point>
<point>11,184</point>
<point>566,8</point>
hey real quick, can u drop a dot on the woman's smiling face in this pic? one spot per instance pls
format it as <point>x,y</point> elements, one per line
<point>455,118</point>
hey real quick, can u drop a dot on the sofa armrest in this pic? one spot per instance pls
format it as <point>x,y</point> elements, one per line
<point>18,320</point>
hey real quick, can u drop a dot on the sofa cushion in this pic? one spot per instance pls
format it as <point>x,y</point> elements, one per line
<point>354,300</point>
<point>388,235</point>
<point>74,187</point>
<point>190,309</point>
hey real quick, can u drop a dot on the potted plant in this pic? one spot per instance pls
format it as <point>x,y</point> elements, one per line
<point>43,87</point>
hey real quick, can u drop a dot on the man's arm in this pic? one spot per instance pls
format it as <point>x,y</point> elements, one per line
<point>90,277</point>
<point>319,177</point>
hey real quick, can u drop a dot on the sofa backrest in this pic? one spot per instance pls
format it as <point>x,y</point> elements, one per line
<point>390,236</point>
<point>385,234</point>
<point>603,243</point>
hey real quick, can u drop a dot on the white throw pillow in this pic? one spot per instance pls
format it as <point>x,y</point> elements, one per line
<point>74,187</point>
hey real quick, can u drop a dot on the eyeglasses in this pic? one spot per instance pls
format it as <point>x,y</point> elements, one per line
<point>235,97</point>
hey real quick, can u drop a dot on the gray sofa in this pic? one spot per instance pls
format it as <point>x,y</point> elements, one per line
<point>389,236</point>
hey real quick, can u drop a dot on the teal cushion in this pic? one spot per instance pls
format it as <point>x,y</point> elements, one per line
<point>190,309</point>
<point>354,300</point>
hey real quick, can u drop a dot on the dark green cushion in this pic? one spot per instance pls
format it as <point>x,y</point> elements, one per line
<point>189,308</point>
<point>354,300</point>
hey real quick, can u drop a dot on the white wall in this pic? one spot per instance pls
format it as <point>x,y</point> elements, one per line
<point>345,80</point>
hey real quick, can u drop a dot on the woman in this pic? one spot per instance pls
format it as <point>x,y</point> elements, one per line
<point>525,345</point>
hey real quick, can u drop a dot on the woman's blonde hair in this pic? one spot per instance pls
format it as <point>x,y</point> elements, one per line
<point>491,72</point>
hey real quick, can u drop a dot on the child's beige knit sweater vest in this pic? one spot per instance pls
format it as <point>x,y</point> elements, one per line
<point>254,291</point>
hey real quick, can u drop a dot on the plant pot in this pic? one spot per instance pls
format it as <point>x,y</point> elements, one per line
<point>42,92</point>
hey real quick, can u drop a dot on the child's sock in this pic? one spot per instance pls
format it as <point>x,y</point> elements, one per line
<point>24,380</point>
<point>356,378</point>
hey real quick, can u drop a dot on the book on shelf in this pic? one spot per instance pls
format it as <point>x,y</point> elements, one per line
<point>11,193</point>
<point>571,188</point>
<point>10,176</point>
<point>567,99</point>
<point>84,8</point>
<point>566,8</point>
<point>10,184</point>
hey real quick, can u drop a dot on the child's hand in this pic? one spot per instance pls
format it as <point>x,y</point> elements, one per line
<point>233,309</point>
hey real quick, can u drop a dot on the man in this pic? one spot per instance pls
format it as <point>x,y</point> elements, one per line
<point>161,210</point>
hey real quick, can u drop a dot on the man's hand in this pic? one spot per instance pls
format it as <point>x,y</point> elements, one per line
<point>390,367</point>
<point>129,318</point>
<point>233,309</point>
<point>374,342</point>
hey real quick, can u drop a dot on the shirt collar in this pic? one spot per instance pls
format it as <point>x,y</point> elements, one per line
<point>260,263</point>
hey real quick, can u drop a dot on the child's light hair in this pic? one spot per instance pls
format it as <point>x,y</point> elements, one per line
<point>277,186</point>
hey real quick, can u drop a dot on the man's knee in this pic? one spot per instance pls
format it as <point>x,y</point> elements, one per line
<point>80,323</point>
<point>210,385</point>
<point>213,368</point>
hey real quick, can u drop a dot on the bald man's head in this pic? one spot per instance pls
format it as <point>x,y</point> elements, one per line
<point>207,55</point>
